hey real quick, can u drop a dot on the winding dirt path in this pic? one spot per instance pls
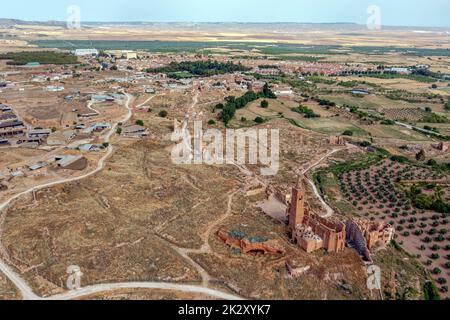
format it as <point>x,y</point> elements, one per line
<point>206,248</point>
<point>326,206</point>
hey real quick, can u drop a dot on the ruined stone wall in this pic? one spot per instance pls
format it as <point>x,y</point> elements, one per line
<point>375,233</point>
<point>444,146</point>
<point>331,232</point>
<point>246,246</point>
<point>310,245</point>
<point>355,236</point>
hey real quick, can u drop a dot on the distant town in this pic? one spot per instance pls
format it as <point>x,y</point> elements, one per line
<point>88,189</point>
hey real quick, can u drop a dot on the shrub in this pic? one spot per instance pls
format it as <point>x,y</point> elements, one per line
<point>264,104</point>
<point>436,271</point>
<point>43,57</point>
<point>431,292</point>
<point>259,120</point>
<point>163,114</point>
<point>348,133</point>
<point>420,156</point>
<point>435,247</point>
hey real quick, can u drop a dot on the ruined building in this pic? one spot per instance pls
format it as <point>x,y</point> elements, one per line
<point>250,246</point>
<point>365,235</point>
<point>444,146</point>
<point>337,141</point>
<point>310,231</point>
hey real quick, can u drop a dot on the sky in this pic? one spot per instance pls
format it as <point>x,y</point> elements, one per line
<point>427,13</point>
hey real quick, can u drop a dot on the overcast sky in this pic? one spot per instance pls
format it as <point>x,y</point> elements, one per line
<point>393,12</point>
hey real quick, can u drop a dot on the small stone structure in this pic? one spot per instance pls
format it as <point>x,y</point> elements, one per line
<point>444,146</point>
<point>337,141</point>
<point>295,271</point>
<point>252,246</point>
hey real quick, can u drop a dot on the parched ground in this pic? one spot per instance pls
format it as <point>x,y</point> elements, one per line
<point>117,225</point>
<point>7,290</point>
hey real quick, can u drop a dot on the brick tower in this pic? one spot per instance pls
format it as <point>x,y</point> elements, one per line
<point>297,208</point>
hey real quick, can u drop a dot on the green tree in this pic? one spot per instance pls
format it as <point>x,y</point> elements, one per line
<point>139,122</point>
<point>259,120</point>
<point>348,133</point>
<point>264,104</point>
<point>438,193</point>
<point>267,92</point>
<point>420,156</point>
<point>431,292</point>
<point>163,114</point>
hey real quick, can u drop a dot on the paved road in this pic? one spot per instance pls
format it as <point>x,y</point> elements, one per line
<point>21,285</point>
<point>83,292</point>
<point>27,292</point>
<point>411,127</point>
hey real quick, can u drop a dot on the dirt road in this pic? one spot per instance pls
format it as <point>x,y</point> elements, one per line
<point>328,209</point>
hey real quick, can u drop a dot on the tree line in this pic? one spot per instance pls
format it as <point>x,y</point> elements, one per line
<point>43,57</point>
<point>200,68</point>
<point>233,104</point>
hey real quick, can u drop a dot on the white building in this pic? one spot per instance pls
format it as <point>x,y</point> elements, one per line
<point>399,70</point>
<point>54,88</point>
<point>86,52</point>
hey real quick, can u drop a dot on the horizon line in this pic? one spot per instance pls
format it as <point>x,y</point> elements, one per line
<point>223,22</point>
